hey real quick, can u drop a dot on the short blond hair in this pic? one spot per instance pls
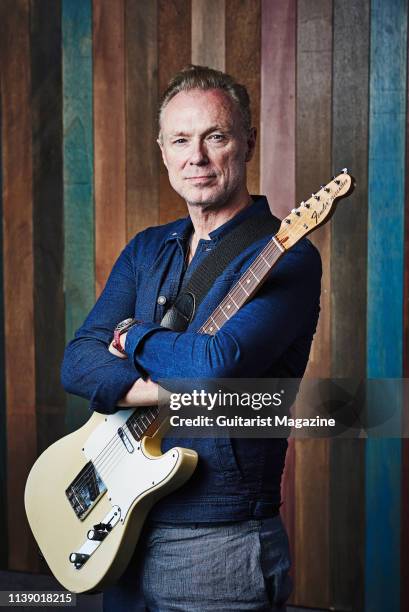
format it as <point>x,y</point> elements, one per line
<point>202,77</point>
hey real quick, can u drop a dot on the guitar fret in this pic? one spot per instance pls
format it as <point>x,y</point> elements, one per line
<point>265,259</point>
<point>221,308</point>
<point>243,288</point>
<point>257,279</point>
<point>233,300</point>
<point>214,322</point>
<point>282,249</point>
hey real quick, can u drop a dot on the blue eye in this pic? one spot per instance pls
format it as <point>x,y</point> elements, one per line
<point>217,137</point>
<point>179,141</point>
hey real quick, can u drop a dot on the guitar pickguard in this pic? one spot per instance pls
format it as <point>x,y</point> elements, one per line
<point>122,464</point>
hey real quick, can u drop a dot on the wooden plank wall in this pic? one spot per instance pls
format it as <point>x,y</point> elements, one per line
<point>81,173</point>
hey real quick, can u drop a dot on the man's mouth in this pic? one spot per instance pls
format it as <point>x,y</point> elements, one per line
<point>205,177</point>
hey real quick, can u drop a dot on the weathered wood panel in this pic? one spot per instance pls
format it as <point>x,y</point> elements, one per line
<point>174,24</point>
<point>348,294</point>
<point>277,105</point>
<point>142,151</point>
<point>78,169</point>
<point>405,416</point>
<point>277,161</point>
<point>243,23</point>
<point>109,135</point>
<point>313,167</point>
<point>3,407</point>
<point>385,291</point>
<point>46,104</point>
<point>208,33</point>
<point>18,273</point>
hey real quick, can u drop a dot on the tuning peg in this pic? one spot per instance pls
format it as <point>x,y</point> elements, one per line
<point>344,170</point>
<point>314,195</point>
<point>287,221</point>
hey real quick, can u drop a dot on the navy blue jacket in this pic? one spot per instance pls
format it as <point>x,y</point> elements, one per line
<point>268,337</point>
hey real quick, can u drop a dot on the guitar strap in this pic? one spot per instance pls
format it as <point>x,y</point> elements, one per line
<point>193,291</point>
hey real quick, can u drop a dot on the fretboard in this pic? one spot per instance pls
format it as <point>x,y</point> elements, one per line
<point>245,288</point>
<point>140,421</point>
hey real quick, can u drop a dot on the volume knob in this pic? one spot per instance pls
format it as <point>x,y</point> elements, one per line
<point>96,535</point>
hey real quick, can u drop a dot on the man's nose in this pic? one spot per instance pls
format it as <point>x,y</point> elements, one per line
<point>198,154</point>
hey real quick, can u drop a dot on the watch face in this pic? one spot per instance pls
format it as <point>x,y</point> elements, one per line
<point>123,324</point>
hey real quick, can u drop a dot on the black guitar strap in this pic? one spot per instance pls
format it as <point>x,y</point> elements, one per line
<point>192,292</point>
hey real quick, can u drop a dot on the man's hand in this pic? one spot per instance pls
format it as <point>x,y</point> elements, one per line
<point>142,393</point>
<point>115,351</point>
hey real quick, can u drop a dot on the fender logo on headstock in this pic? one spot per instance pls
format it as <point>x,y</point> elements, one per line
<point>317,214</point>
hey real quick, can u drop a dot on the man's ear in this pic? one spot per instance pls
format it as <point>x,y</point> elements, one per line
<point>162,150</point>
<point>251,143</point>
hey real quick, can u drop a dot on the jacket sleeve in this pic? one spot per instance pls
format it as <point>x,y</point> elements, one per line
<point>89,369</point>
<point>286,307</point>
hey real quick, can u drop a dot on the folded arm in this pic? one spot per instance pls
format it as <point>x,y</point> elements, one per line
<point>250,342</point>
<point>89,369</point>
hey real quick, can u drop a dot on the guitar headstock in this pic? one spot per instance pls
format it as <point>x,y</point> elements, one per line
<point>314,211</point>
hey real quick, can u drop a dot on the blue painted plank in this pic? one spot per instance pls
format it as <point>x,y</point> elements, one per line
<point>79,267</point>
<point>386,174</point>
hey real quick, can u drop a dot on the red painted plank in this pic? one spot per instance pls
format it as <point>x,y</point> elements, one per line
<point>277,162</point>
<point>109,135</point>
<point>277,105</point>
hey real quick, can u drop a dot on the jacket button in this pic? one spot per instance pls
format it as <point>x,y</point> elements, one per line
<point>162,300</point>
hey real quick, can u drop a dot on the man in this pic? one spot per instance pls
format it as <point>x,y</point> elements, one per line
<point>217,543</point>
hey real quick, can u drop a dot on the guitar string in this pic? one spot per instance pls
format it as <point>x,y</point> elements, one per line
<point>112,445</point>
<point>97,463</point>
<point>259,266</point>
<point>112,460</point>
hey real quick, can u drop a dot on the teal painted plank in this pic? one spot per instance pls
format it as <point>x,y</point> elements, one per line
<point>385,291</point>
<point>79,274</point>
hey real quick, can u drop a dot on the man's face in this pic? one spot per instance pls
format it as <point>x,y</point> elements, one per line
<point>204,147</point>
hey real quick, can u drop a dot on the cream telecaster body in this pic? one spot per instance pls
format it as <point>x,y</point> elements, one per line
<point>88,494</point>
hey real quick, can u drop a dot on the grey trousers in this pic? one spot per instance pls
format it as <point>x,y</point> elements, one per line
<point>206,567</point>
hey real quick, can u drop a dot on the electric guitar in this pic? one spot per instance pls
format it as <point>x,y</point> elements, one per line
<point>88,494</point>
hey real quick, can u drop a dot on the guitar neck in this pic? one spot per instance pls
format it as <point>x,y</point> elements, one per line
<point>301,221</point>
<point>245,288</point>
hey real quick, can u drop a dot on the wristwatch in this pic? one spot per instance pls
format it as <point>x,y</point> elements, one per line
<point>122,328</point>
